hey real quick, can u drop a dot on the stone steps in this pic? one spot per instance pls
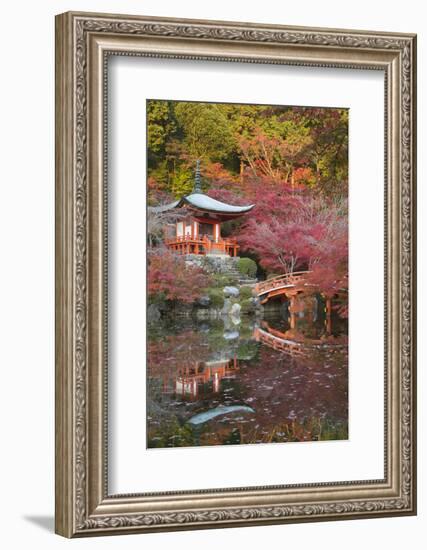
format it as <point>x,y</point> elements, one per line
<point>241,279</point>
<point>225,265</point>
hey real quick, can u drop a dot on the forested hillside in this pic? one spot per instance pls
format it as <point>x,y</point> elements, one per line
<point>291,162</point>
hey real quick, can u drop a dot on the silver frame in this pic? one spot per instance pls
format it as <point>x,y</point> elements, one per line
<point>83,43</point>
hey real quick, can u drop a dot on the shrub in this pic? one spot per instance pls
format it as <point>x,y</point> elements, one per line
<point>245,292</point>
<point>247,306</point>
<point>246,266</point>
<point>219,280</point>
<point>247,350</point>
<point>216,296</point>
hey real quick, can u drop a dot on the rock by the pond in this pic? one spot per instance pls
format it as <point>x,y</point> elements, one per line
<point>202,313</point>
<point>231,291</point>
<point>231,334</point>
<point>235,310</point>
<point>203,417</point>
<point>204,301</point>
<point>226,308</point>
<point>153,313</point>
<point>207,313</point>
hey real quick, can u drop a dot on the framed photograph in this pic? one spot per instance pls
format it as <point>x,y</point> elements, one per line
<point>235,274</point>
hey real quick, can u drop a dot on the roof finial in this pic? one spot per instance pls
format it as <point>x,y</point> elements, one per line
<point>197,179</point>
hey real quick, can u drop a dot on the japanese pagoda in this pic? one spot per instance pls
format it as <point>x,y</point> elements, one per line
<point>199,230</point>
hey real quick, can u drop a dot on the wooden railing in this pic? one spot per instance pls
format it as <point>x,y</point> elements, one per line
<point>282,281</point>
<point>275,340</point>
<point>279,344</point>
<point>202,245</point>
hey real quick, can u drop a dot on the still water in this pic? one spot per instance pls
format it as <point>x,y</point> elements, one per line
<point>230,381</point>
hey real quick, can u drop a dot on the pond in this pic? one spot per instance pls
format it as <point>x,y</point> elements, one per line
<point>238,381</point>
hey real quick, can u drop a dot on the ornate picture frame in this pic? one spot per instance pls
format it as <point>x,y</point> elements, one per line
<point>84,42</point>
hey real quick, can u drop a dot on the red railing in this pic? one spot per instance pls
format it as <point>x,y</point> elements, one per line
<point>275,340</point>
<point>279,344</point>
<point>202,245</point>
<point>282,281</point>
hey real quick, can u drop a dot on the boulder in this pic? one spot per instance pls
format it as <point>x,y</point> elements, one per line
<point>235,320</point>
<point>235,310</point>
<point>226,307</point>
<point>231,334</point>
<point>231,291</point>
<point>204,301</point>
<point>153,313</point>
<point>202,313</point>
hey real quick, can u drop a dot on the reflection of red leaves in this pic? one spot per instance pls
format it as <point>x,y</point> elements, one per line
<point>170,275</point>
<point>308,385</point>
<point>172,352</point>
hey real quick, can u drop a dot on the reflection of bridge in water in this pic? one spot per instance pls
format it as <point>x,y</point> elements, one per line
<point>272,340</point>
<point>196,379</point>
<point>305,327</point>
<point>282,341</point>
<point>290,286</point>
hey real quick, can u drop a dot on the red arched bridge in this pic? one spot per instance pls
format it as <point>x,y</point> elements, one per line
<point>282,284</point>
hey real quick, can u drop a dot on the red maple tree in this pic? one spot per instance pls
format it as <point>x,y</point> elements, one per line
<point>291,230</point>
<point>169,274</point>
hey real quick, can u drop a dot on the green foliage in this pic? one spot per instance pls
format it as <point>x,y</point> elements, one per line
<point>219,280</point>
<point>206,133</point>
<point>161,174</point>
<point>246,306</point>
<point>248,267</point>
<point>247,332</point>
<point>245,292</point>
<point>247,350</point>
<point>331,431</point>
<point>160,123</point>
<point>310,429</point>
<point>216,296</point>
<point>182,182</point>
<point>172,435</point>
<point>299,146</point>
<point>157,299</point>
<point>234,438</point>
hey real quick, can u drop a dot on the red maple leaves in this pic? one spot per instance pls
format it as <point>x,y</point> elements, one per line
<point>169,275</point>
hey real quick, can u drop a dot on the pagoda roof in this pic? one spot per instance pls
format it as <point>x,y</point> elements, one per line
<point>204,203</point>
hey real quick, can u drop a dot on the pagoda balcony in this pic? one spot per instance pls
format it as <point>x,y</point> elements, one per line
<point>188,244</point>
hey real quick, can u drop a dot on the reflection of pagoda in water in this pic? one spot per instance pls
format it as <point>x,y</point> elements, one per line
<point>197,378</point>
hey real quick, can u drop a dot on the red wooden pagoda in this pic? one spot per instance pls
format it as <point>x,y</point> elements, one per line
<point>199,231</point>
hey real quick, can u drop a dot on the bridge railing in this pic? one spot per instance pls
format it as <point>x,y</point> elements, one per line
<point>281,281</point>
<point>287,346</point>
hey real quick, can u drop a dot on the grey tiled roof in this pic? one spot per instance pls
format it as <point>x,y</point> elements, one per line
<point>205,203</point>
